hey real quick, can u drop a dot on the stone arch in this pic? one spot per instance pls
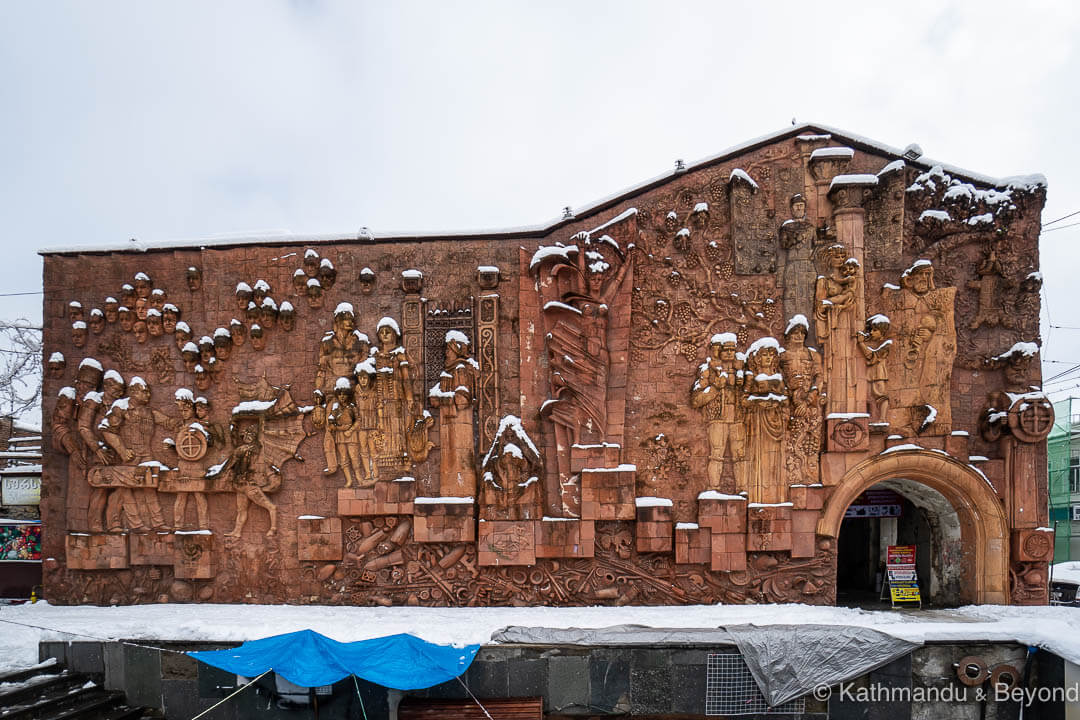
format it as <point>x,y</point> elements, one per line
<point>983,524</point>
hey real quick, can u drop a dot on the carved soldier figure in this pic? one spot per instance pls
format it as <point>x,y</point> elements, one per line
<point>65,438</point>
<point>716,393</point>
<point>128,428</point>
<point>243,471</point>
<point>104,504</point>
<point>190,442</point>
<point>875,348</point>
<point>455,395</point>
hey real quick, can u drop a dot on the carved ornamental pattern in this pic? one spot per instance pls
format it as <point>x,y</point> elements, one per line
<point>659,401</point>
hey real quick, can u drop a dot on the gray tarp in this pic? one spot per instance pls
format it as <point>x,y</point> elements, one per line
<point>786,661</point>
<point>613,635</point>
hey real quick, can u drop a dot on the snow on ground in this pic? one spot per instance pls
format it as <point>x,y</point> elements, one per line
<point>1056,629</point>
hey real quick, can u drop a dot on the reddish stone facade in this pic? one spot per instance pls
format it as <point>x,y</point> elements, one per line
<point>670,398</point>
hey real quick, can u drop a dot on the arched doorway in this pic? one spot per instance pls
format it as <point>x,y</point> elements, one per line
<point>972,532</point>
<point>900,512</point>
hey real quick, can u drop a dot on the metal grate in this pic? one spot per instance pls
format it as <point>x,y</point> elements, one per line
<point>730,690</point>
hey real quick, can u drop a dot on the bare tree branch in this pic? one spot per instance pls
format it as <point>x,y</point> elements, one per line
<point>20,367</point>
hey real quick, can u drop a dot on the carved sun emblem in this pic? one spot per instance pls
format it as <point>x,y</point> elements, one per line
<point>191,444</point>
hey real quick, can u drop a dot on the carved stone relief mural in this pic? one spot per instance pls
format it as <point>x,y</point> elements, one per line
<point>656,401</point>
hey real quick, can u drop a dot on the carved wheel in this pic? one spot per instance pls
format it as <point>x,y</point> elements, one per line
<point>1034,422</point>
<point>191,445</point>
<point>1037,545</point>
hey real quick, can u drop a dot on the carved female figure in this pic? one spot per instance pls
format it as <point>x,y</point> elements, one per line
<point>393,387</point>
<point>455,395</point>
<point>801,367</point>
<point>767,404</point>
<point>837,297</point>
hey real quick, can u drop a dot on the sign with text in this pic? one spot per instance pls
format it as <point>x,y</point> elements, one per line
<point>21,491</point>
<point>901,575</point>
<point>876,503</point>
<point>900,555</point>
<point>905,592</point>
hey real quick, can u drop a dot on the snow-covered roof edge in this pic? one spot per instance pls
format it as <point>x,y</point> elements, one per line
<point>285,237</point>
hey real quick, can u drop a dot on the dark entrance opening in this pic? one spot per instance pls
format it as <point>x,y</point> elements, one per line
<point>880,517</point>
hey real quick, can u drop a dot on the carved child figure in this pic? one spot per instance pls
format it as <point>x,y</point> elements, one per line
<point>716,394</point>
<point>367,421</point>
<point>875,348</point>
<point>341,425</point>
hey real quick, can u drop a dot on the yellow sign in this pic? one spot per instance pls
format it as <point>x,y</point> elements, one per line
<point>905,593</point>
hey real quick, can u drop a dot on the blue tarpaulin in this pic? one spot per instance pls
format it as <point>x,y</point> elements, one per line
<point>308,659</point>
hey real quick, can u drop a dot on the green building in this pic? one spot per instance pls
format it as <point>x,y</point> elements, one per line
<point>1063,455</point>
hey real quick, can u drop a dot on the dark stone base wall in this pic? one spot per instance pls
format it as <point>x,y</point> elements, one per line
<point>574,681</point>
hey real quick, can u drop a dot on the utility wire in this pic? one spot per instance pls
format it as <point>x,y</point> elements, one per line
<point>1063,217</point>
<point>1062,227</point>
<point>35,292</point>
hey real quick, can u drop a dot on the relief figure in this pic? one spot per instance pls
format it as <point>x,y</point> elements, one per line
<point>802,369</point>
<point>767,408</point>
<point>797,238</point>
<point>837,302</point>
<point>716,393</point>
<point>455,396</point>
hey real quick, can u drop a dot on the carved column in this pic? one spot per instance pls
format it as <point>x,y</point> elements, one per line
<point>806,145</point>
<point>825,164</point>
<point>487,349</point>
<point>847,194</point>
<point>412,325</point>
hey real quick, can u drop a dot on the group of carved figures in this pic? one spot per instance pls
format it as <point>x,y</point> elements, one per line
<point>763,411</point>
<point>119,454</point>
<point>365,401</point>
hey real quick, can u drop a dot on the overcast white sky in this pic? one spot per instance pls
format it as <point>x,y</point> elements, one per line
<point>164,120</point>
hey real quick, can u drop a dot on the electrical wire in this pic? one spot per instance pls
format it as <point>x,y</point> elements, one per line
<point>1063,217</point>
<point>1062,227</point>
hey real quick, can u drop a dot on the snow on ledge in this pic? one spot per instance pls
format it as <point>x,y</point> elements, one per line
<point>650,501</point>
<point>443,501</point>
<point>898,448</point>
<point>715,495</point>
